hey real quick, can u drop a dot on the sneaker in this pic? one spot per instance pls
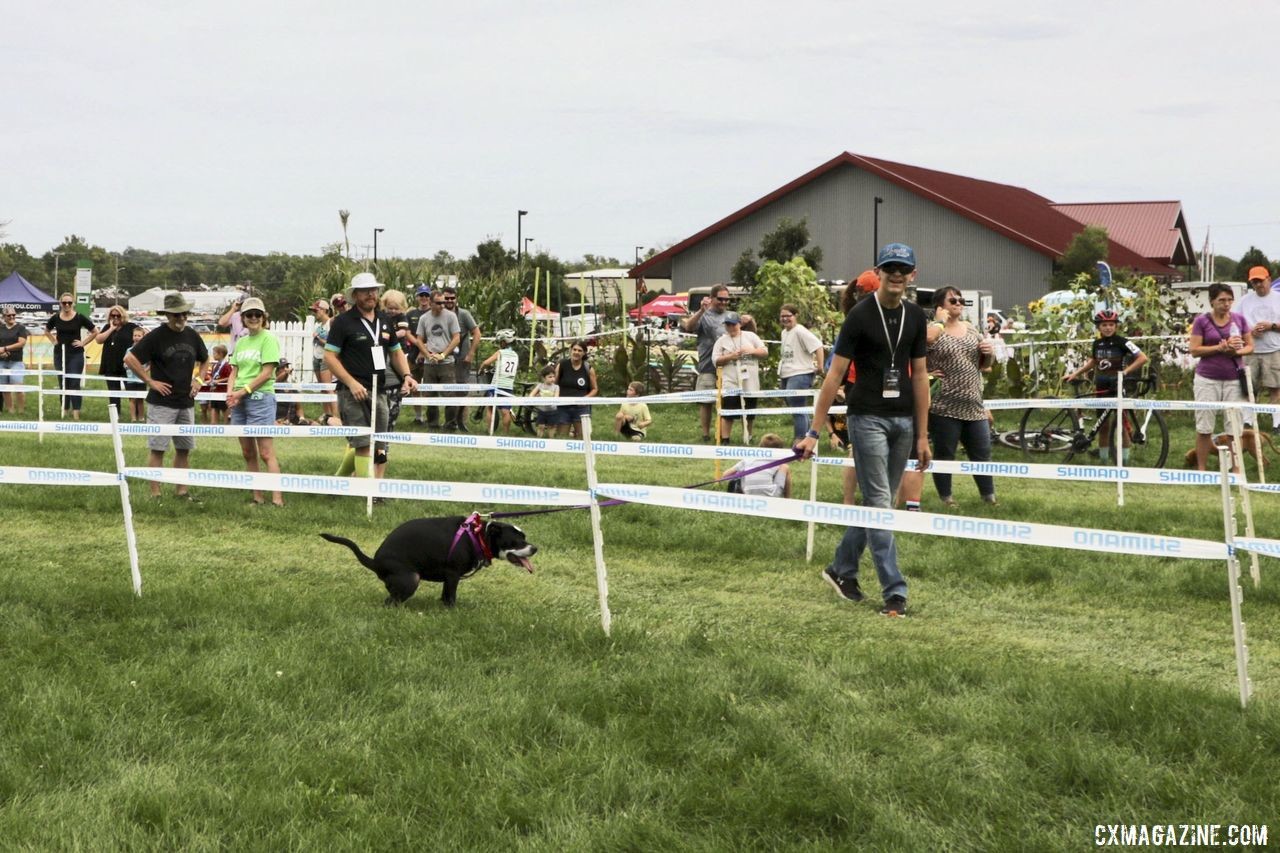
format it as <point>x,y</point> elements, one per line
<point>895,606</point>
<point>461,427</point>
<point>847,587</point>
<point>990,499</point>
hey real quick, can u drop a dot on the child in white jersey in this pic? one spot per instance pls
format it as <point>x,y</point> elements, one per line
<point>506,364</point>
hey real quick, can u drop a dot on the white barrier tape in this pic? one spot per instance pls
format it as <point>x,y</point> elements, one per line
<point>453,386</point>
<point>1270,547</point>
<point>476,494</point>
<point>1081,343</point>
<point>780,392</point>
<point>560,445</point>
<point>1082,473</point>
<point>789,410</point>
<point>56,477</point>
<point>306,386</point>
<point>927,523</point>
<point>682,397</point>
<point>1260,487</point>
<point>94,428</point>
<point>1129,403</point>
<point>203,396</point>
<point>29,371</point>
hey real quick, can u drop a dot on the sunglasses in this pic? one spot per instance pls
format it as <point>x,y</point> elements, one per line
<point>722,299</point>
<point>182,314</point>
<point>897,269</point>
<point>250,315</point>
<point>68,303</point>
<point>955,301</point>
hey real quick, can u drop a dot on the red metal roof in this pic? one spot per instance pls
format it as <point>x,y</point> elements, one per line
<point>1153,229</point>
<point>1017,213</point>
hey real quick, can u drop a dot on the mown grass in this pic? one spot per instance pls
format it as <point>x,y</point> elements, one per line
<point>258,696</point>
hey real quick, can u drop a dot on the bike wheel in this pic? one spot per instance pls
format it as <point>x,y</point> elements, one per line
<point>1046,431</point>
<point>1147,437</point>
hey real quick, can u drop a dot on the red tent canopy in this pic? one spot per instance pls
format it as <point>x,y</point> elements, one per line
<point>666,303</point>
<point>526,307</point>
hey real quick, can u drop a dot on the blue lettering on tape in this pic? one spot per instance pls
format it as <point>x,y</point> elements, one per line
<point>519,493</point>
<point>219,478</point>
<point>53,475</point>
<point>75,427</point>
<point>666,450</point>
<point>745,452</point>
<point>332,431</point>
<point>855,516</point>
<point>455,440</point>
<point>523,443</point>
<point>994,468</point>
<point>139,429</point>
<point>1104,540</point>
<point>625,493</point>
<point>329,485</point>
<point>438,491</point>
<point>724,499</point>
<point>201,429</point>
<point>266,430</point>
<point>1092,472</point>
<point>982,528</point>
<point>1189,477</point>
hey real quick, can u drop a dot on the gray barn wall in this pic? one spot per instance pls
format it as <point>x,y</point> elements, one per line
<point>950,248</point>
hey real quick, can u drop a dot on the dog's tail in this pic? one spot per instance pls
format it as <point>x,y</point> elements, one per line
<point>364,558</point>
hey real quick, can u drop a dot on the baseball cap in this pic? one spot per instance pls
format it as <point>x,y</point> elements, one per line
<point>868,281</point>
<point>365,281</point>
<point>896,253</point>
<point>423,290</point>
<point>319,304</point>
<point>732,317</point>
<point>1259,272</point>
<point>253,303</point>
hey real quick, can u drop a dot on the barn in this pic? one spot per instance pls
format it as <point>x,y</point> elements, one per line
<point>972,233</point>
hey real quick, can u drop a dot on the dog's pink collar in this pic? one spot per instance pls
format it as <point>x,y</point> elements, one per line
<point>473,526</point>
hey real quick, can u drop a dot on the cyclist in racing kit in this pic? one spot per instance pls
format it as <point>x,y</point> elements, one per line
<point>1113,356</point>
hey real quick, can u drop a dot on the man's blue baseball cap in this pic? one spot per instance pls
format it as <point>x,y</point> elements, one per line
<point>423,290</point>
<point>896,253</point>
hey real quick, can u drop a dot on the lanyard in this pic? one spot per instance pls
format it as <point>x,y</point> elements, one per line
<point>893,352</point>
<point>375,330</point>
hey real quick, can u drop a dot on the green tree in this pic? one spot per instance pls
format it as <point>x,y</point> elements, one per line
<point>791,282</point>
<point>1252,258</point>
<point>787,241</point>
<point>1081,257</point>
<point>490,259</point>
<point>744,269</point>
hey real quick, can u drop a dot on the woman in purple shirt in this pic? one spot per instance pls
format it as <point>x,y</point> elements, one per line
<point>1219,339</point>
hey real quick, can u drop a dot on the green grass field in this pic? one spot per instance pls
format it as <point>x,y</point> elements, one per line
<point>258,696</point>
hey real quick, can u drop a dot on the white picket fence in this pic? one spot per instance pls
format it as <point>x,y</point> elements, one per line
<point>295,345</point>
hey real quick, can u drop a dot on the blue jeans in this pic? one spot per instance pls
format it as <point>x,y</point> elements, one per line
<point>799,382</point>
<point>975,435</point>
<point>881,446</point>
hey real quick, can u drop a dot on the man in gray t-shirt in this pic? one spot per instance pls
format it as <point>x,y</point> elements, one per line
<point>708,324</point>
<point>467,347</point>
<point>438,334</point>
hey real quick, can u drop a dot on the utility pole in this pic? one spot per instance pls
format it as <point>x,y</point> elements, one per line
<point>56,255</point>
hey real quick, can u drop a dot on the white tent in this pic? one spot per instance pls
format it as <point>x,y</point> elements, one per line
<point>204,301</point>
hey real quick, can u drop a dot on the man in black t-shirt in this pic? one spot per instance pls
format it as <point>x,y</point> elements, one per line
<point>888,405</point>
<point>356,351</point>
<point>170,360</point>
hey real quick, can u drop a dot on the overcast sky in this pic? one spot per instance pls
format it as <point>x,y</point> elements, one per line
<point>246,126</point>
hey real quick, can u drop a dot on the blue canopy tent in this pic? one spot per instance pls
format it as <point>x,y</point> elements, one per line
<point>22,295</point>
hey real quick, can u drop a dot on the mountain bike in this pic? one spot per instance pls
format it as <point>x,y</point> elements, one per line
<point>1072,432</point>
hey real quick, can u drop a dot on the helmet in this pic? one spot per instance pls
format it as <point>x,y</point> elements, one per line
<point>505,336</point>
<point>1106,315</point>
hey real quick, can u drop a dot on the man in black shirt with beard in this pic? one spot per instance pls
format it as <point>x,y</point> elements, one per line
<point>888,406</point>
<point>169,361</point>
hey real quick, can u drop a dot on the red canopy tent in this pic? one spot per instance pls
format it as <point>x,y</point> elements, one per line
<point>666,303</point>
<point>527,307</point>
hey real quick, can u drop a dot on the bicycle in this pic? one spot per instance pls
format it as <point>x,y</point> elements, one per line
<point>521,412</point>
<point>1072,432</point>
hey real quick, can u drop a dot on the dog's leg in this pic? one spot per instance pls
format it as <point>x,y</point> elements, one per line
<point>449,595</point>
<point>402,582</point>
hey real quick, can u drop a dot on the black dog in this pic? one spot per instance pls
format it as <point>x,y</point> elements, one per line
<point>441,550</point>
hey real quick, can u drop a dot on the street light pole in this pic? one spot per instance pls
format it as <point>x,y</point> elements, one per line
<point>875,229</point>
<point>116,289</point>
<point>527,241</point>
<point>520,215</point>
<point>56,255</point>
<point>376,232</point>
<point>638,248</point>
